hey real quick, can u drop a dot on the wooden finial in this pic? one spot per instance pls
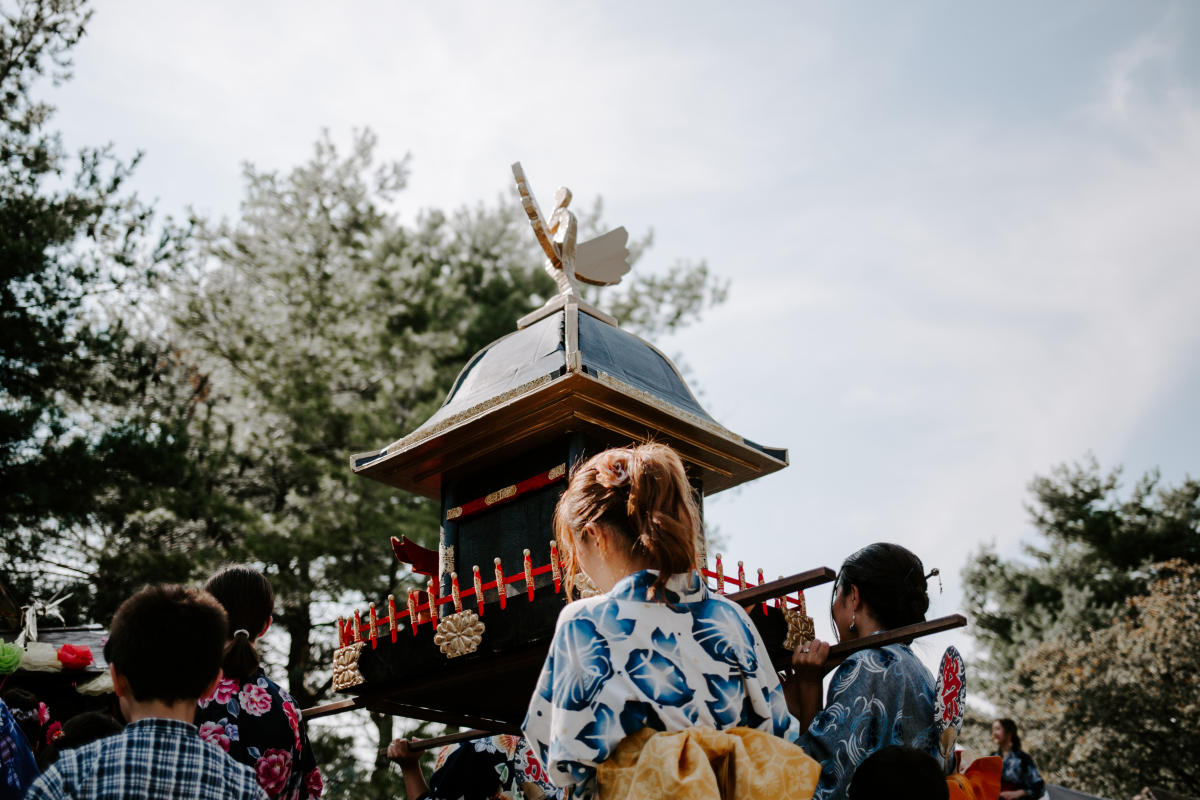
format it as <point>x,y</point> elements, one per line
<point>500,583</point>
<point>478,589</point>
<point>433,610</point>
<point>374,627</point>
<point>392,616</point>
<point>454,592</point>
<point>357,627</point>
<point>720,575</point>
<point>413,619</point>
<point>555,570</point>
<point>529,574</point>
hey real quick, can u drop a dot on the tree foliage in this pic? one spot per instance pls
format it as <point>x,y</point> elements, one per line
<point>95,444</point>
<point>1095,551</point>
<point>175,396</point>
<point>1118,709</point>
<point>326,326</point>
<point>1091,638</point>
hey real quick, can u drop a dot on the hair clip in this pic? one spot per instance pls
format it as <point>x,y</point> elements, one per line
<point>938,573</point>
<point>241,632</point>
<point>612,472</point>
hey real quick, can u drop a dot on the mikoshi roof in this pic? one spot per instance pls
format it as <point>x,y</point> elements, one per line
<point>566,372</point>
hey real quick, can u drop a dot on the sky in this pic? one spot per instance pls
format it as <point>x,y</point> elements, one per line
<point>960,237</point>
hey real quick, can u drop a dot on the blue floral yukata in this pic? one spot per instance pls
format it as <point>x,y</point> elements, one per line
<point>1019,772</point>
<point>17,767</point>
<point>877,697</point>
<point>621,662</point>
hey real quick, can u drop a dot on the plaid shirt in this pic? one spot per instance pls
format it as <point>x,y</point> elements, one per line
<point>152,758</point>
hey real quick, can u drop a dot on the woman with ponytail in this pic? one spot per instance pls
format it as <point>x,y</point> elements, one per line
<point>248,715</point>
<point>654,650</point>
<point>879,696</point>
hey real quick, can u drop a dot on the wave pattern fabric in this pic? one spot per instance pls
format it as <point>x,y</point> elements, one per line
<point>706,764</point>
<point>877,697</point>
<point>621,661</point>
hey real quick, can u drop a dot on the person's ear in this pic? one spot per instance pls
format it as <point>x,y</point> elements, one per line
<point>265,628</point>
<point>603,537</point>
<point>853,598</point>
<point>120,684</point>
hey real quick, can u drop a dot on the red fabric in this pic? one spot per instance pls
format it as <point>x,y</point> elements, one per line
<point>73,657</point>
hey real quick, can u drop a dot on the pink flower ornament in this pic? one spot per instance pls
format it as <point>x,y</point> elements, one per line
<point>254,700</point>
<point>212,732</point>
<point>315,783</point>
<point>273,770</point>
<point>226,689</point>
<point>293,717</point>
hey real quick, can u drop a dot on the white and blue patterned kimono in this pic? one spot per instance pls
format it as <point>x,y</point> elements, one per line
<point>877,697</point>
<point>620,662</point>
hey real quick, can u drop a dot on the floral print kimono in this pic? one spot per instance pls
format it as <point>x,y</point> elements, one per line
<point>258,724</point>
<point>877,697</point>
<point>620,662</point>
<point>502,767</point>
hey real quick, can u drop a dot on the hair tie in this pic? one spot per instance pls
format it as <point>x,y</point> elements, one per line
<point>241,632</point>
<point>613,471</point>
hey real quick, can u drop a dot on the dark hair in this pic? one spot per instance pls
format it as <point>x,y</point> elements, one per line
<point>642,493</point>
<point>247,597</point>
<point>890,581</point>
<point>904,773</point>
<point>78,731</point>
<point>167,641</point>
<point>1010,728</point>
<point>24,707</point>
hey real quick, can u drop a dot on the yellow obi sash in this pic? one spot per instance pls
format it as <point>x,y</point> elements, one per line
<point>705,764</point>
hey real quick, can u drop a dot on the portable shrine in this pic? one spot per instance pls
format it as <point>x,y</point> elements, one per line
<point>566,384</point>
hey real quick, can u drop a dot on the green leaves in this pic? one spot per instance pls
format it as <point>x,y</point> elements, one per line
<point>1118,708</point>
<point>1088,637</point>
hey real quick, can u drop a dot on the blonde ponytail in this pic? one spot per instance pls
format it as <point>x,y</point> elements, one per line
<point>644,495</point>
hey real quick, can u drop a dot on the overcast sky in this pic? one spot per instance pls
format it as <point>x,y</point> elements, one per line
<point>961,238</point>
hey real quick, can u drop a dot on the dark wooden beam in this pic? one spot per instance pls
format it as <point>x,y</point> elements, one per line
<point>772,589</point>
<point>329,709</point>
<point>843,650</point>
<point>450,738</point>
<point>387,706</point>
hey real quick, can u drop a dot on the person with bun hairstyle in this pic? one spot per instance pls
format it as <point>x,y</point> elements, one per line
<point>655,650</point>
<point>879,696</point>
<point>1019,776</point>
<point>247,714</point>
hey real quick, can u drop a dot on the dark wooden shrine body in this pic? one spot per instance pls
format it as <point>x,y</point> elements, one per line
<point>490,689</point>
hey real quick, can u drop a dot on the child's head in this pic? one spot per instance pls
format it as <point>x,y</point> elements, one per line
<point>78,731</point>
<point>167,642</point>
<point>247,597</point>
<point>641,498</point>
<point>904,773</point>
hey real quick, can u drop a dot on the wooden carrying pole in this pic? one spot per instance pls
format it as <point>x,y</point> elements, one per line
<point>843,650</point>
